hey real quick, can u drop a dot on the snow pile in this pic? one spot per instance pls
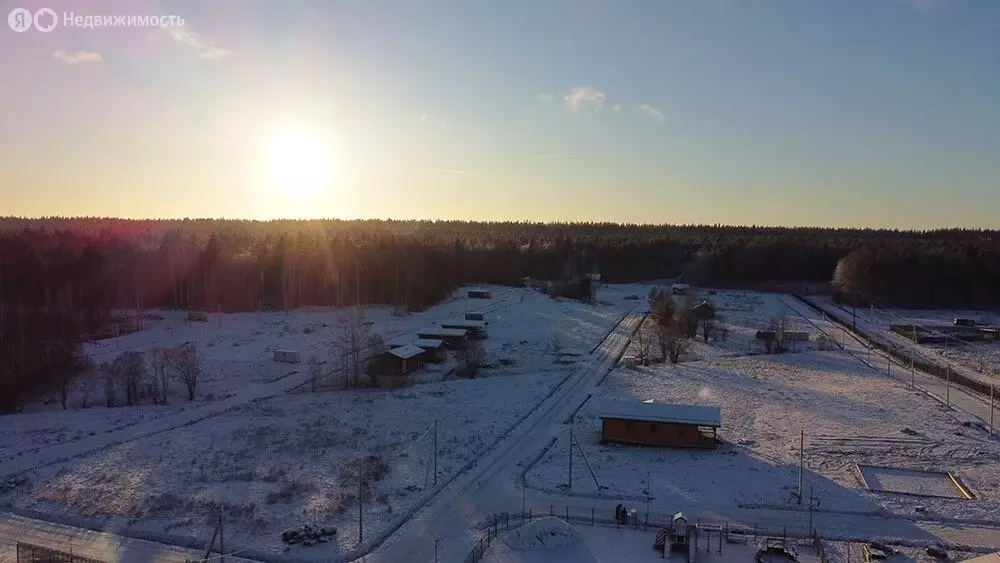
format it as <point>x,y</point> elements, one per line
<point>549,540</point>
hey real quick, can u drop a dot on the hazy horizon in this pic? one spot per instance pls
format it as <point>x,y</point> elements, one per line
<point>853,114</point>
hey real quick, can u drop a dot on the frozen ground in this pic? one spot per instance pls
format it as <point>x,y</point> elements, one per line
<point>975,357</point>
<point>849,415</point>
<point>272,464</point>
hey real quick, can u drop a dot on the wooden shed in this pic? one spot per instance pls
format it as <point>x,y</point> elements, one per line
<point>475,329</point>
<point>452,337</point>
<point>659,424</point>
<point>433,349</point>
<point>479,294</point>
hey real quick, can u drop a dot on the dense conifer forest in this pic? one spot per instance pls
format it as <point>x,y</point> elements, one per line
<point>63,280</point>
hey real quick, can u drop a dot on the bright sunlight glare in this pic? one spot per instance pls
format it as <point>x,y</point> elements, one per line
<point>299,162</point>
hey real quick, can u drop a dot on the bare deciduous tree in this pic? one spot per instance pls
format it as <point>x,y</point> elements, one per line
<point>470,359</point>
<point>642,343</point>
<point>778,326</point>
<point>672,342</point>
<point>109,384</point>
<point>130,367</point>
<point>188,367</point>
<point>160,360</point>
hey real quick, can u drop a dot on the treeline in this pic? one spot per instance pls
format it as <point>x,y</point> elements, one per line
<point>63,280</point>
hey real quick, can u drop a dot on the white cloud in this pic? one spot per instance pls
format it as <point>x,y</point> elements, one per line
<point>652,112</point>
<point>545,97</point>
<point>583,96</point>
<point>205,48</point>
<point>424,117</point>
<point>617,108</point>
<point>78,57</point>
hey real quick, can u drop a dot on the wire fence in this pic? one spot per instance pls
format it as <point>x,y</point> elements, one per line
<point>706,535</point>
<point>30,553</point>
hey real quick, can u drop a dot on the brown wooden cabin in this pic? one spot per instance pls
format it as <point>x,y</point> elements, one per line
<point>659,424</point>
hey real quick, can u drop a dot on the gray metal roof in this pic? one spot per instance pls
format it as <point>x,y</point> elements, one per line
<point>438,331</point>
<point>658,412</point>
<point>462,323</point>
<point>406,352</point>
<point>428,343</point>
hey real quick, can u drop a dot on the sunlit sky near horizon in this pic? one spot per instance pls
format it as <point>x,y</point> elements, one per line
<point>779,112</point>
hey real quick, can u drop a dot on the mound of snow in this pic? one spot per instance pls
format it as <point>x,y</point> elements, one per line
<point>550,540</point>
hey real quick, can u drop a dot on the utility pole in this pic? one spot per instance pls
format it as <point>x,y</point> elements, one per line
<point>947,395</point>
<point>361,513</point>
<point>435,452</point>
<point>222,541</point>
<point>570,457</point>
<point>992,388</point>
<point>912,371</point>
<point>810,510</point>
<point>802,444</point>
<point>888,363</point>
<point>436,542</point>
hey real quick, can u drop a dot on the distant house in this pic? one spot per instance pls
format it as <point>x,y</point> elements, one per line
<point>659,424</point>
<point>703,310</point>
<point>433,349</point>
<point>679,288</point>
<point>965,322</point>
<point>393,366</point>
<point>452,337</point>
<point>479,294</point>
<point>475,329</point>
<point>286,356</point>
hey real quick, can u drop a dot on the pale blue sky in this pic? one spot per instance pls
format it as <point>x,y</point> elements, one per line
<point>846,112</point>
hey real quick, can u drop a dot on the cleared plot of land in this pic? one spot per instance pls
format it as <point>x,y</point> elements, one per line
<point>910,481</point>
<point>849,414</point>
<point>975,357</point>
<point>273,464</point>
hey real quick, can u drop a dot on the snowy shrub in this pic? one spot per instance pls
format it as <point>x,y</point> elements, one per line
<point>290,492</point>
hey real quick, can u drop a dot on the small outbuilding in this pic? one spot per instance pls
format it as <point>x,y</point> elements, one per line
<point>679,288</point>
<point>703,310</point>
<point>659,424</point>
<point>479,294</point>
<point>475,316</point>
<point>433,349</point>
<point>475,329</point>
<point>453,337</point>
<point>965,322</point>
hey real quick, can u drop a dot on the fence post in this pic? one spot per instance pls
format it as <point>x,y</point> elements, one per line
<point>552,510</point>
<point>567,513</point>
<point>593,518</point>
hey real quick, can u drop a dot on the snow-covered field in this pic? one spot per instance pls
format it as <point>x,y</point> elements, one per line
<point>272,464</point>
<point>976,357</point>
<point>850,415</point>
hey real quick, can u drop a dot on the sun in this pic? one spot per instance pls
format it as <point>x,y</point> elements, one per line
<point>299,162</point>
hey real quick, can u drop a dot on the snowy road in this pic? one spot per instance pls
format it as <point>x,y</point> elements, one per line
<point>491,485</point>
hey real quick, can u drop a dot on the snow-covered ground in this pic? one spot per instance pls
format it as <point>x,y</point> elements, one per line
<point>741,314</point>
<point>551,540</point>
<point>291,459</point>
<point>850,415</point>
<point>981,358</point>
